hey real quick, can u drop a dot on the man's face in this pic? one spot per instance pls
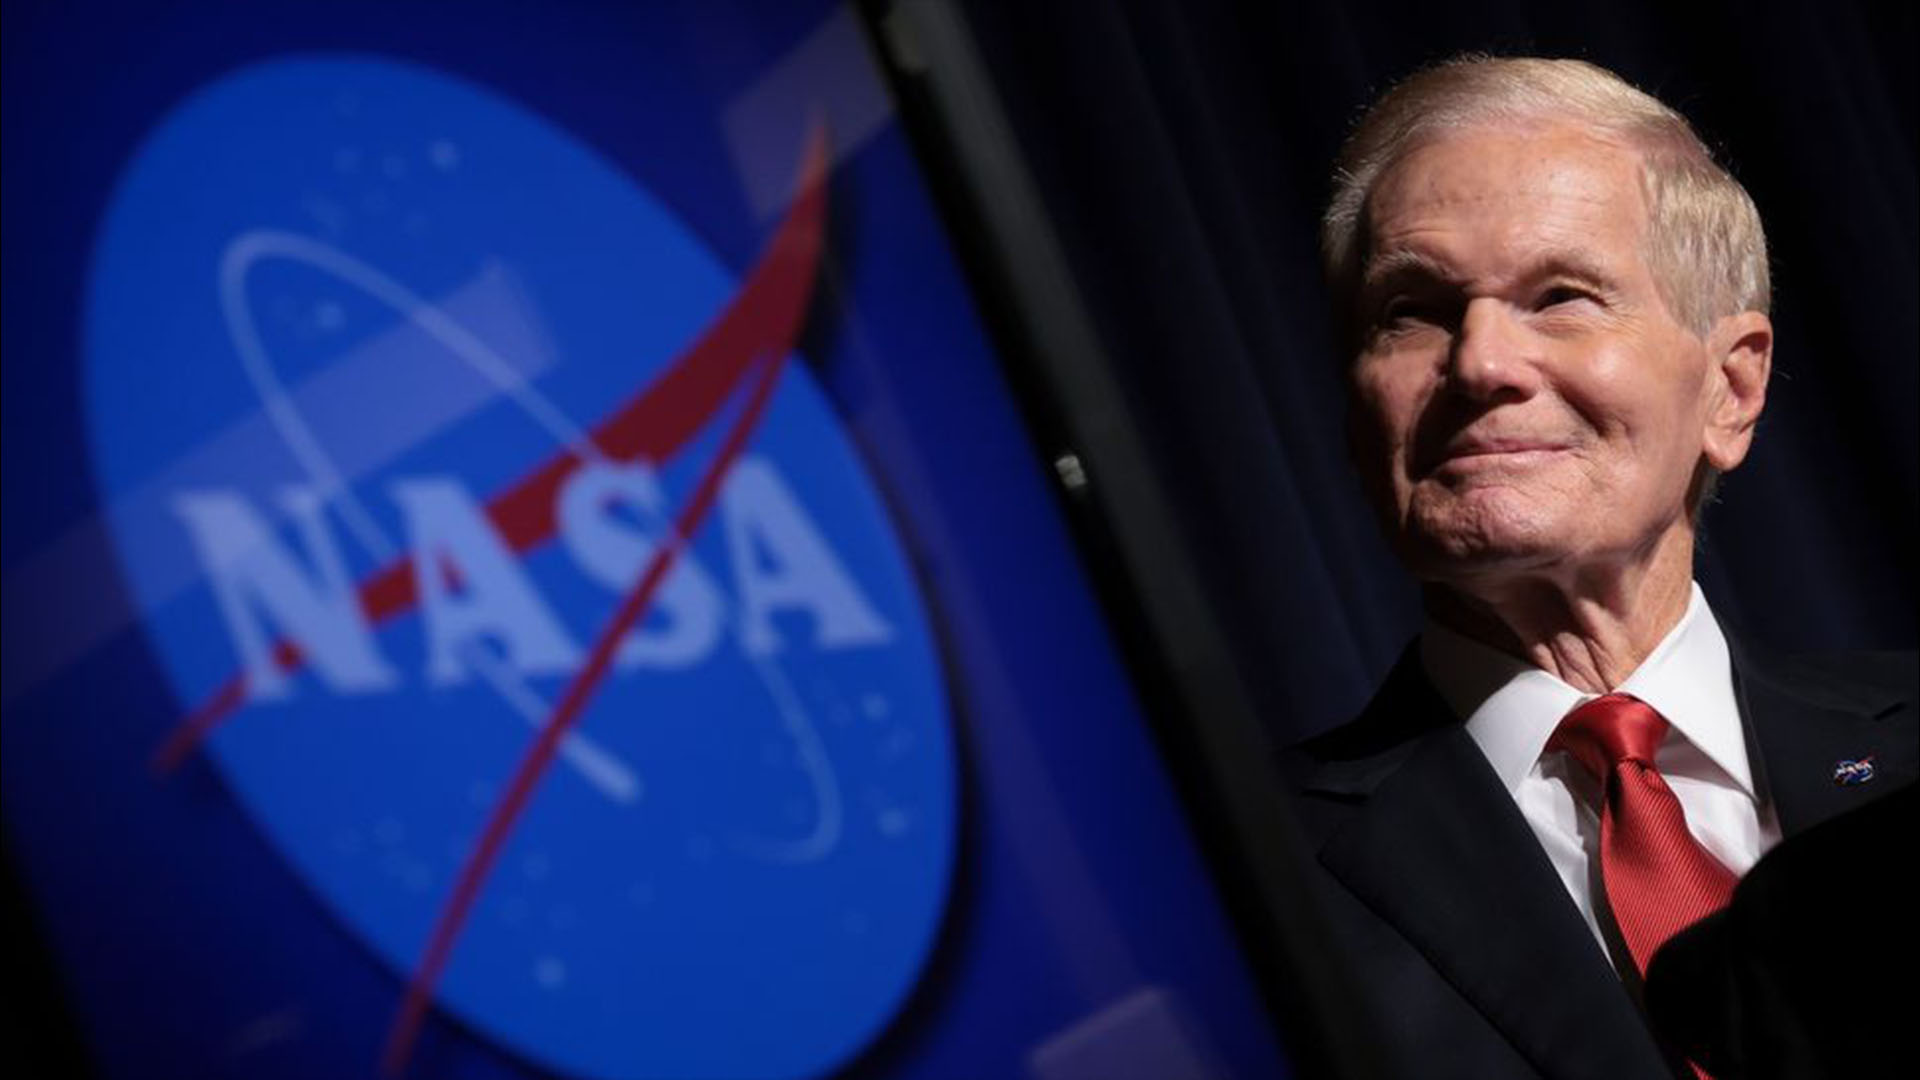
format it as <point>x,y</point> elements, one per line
<point>1522,397</point>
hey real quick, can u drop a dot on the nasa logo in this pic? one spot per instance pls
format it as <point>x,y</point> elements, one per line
<point>1848,773</point>
<point>435,449</point>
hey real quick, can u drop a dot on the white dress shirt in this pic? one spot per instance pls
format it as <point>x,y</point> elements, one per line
<point>1511,708</point>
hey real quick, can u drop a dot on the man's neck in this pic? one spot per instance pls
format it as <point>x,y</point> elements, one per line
<point>1589,627</point>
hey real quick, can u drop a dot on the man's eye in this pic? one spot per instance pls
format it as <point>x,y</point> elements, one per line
<point>1563,294</point>
<point>1402,310</point>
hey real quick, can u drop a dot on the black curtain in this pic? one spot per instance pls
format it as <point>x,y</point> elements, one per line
<point>1182,149</point>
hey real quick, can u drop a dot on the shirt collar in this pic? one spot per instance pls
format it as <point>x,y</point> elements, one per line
<point>1511,707</point>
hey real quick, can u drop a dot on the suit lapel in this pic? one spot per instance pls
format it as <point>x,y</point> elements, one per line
<point>1438,849</point>
<point>1803,727</point>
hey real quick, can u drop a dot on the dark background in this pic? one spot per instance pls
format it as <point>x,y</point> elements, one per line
<point>1182,149</point>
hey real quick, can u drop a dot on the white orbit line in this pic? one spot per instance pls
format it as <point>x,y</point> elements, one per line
<point>799,725</point>
<point>598,766</point>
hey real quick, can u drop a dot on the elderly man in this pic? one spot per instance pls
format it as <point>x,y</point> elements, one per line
<point>1557,305</point>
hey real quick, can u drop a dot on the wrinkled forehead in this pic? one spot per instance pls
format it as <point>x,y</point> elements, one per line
<point>1511,184</point>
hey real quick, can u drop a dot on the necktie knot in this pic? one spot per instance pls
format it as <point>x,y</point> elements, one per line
<point>1610,729</point>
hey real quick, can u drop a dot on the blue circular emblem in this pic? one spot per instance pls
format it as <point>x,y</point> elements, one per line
<point>395,392</point>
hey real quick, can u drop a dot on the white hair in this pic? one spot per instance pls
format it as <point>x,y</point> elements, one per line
<point>1704,243</point>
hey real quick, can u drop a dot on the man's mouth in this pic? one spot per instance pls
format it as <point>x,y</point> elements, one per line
<point>1481,453</point>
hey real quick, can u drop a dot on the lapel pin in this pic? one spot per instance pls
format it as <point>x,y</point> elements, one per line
<point>1849,773</point>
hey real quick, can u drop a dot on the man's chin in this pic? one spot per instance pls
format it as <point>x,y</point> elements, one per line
<point>1462,554</point>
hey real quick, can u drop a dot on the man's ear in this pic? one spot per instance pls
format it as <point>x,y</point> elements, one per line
<point>1740,348</point>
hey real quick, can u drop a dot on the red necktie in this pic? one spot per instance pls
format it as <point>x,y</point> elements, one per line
<point>1659,880</point>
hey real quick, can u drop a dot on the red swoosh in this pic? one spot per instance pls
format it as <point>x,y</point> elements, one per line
<point>795,250</point>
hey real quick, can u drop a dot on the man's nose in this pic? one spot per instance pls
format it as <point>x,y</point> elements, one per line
<point>1494,355</point>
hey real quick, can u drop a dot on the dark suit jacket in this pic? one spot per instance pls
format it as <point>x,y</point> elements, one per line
<point>1458,930</point>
